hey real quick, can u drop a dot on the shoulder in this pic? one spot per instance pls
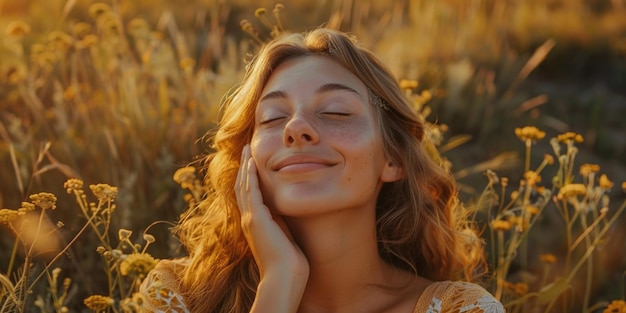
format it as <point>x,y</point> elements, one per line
<point>457,297</point>
<point>160,288</point>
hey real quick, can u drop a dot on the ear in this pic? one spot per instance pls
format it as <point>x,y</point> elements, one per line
<point>391,173</point>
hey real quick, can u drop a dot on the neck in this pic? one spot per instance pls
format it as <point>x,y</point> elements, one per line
<point>345,267</point>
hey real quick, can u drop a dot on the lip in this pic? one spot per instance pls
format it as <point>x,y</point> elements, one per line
<point>301,162</point>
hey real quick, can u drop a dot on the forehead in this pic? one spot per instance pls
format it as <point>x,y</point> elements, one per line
<point>309,72</point>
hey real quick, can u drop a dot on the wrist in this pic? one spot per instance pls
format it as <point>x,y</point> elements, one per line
<point>280,291</point>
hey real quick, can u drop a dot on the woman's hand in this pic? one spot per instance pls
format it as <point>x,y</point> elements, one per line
<point>283,267</point>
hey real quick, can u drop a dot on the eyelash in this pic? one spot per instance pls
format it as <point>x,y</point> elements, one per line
<point>338,114</point>
<point>267,121</point>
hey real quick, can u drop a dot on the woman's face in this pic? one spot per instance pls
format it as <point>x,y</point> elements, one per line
<point>316,142</point>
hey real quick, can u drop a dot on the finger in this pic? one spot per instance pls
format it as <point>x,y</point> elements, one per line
<point>240,183</point>
<point>253,192</point>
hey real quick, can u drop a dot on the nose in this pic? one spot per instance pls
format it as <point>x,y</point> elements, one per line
<point>299,130</point>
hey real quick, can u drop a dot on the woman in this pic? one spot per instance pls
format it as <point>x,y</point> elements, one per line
<point>322,197</point>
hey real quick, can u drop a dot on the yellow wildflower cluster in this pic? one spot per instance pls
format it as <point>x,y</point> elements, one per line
<point>133,304</point>
<point>99,303</point>
<point>570,137</point>
<point>104,192</point>
<point>44,200</point>
<point>604,182</point>
<point>17,29</point>
<point>7,216</point>
<point>517,288</point>
<point>572,190</point>
<point>588,168</point>
<point>500,225</point>
<point>616,306</point>
<point>408,84</point>
<point>73,185</point>
<point>186,177</point>
<point>548,159</point>
<point>532,209</point>
<point>137,265</point>
<point>548,258</point>
<point>98,9</point>
<point>531,133</point>
<point>532,178</point>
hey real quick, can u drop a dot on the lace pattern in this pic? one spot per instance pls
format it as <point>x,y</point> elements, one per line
<point>159,289</point>
<point>457,297</point>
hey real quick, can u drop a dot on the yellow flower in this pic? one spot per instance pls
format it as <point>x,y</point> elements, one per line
<point>98,9</point>
<point>60,40</point>
<point>569,136</point>
<point>73,185</point>
<point>138,27</point>
<point>548,158</point>
<point>260,12</point>
<point>426,95</point>
<point>149,238</point>
<point>520,288</point>
<point>185,176</point>
<point>532,210</point>
<point>98,302</point>
<point>44,200</point>
<point>246,26</point>
<point>137,265</point>
<point>27,207</point>
<point>604,182</point>
<point>532,178</point>
<point>571,190</point>
<point>548,258</point>
<point>187,64</point>
<point>588,168</point>
<point>7,216</point>
<point>501,225</point>
<point>124,234</point>
<point>520,223</point>
<point>529,133</point>
<point>88,41</point>
<point>616,306</point>
<point>408,84</point>
<point>17,29</point>
<point>133,304</point>
<point>81,29</point>
<point>104,192</point>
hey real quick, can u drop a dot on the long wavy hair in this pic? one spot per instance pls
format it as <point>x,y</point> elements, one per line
<point>420,227</point>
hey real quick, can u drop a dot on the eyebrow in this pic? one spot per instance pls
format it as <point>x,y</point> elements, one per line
<point>322,89</point>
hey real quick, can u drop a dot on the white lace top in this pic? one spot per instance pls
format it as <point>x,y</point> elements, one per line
<point>158,291</point>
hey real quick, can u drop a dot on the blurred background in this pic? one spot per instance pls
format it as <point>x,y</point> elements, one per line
<point>121,92</point>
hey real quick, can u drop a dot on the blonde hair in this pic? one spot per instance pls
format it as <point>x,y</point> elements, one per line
<point>419,224</point>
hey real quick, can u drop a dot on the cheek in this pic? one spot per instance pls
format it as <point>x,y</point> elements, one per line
<point>262,144</point>
<point>357,132</point>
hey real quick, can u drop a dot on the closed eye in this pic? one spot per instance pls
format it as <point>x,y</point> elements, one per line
<point>270,120</point>
<point>337,113</point>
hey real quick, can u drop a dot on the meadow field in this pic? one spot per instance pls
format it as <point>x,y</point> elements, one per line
<point>104,106</point>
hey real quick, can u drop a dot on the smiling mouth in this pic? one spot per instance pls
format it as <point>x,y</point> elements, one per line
<point>302,163</point>
<point>302,167</point>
